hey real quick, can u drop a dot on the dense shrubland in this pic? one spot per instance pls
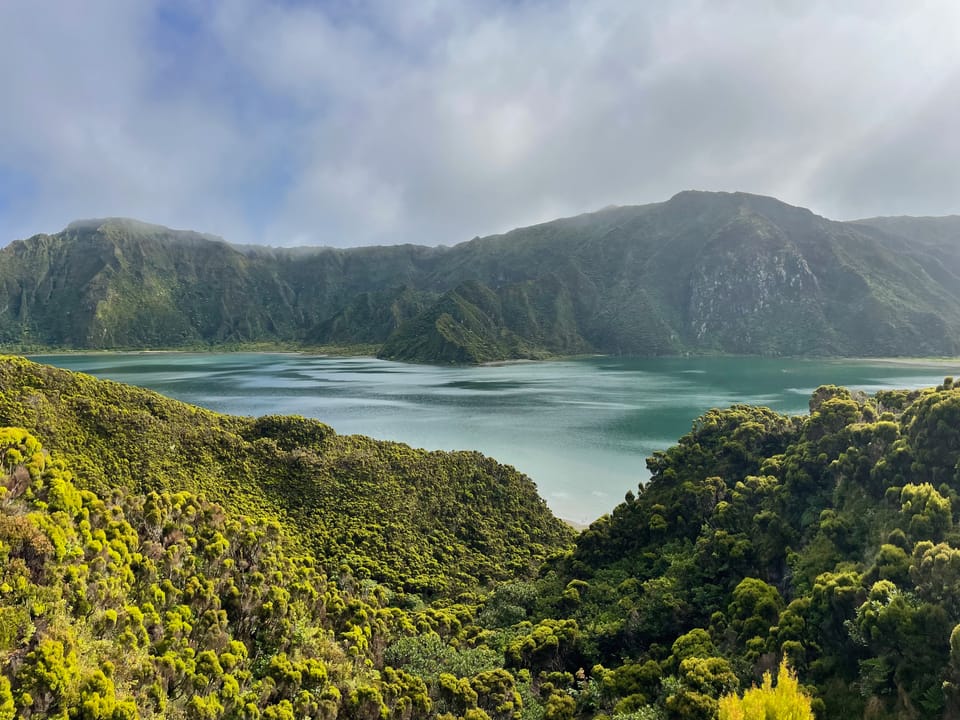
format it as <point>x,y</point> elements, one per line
<point>826,544</point>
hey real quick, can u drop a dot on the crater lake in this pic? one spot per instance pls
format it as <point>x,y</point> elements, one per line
<point>581,429</point>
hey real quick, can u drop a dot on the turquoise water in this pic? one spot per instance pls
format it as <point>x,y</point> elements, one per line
<point>580,428</point>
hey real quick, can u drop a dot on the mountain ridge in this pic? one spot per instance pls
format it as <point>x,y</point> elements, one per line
<point>702,272</point>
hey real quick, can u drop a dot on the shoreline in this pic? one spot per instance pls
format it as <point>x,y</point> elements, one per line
<point>332,351</point>
<point>907,361</point>
<point>370,351</point>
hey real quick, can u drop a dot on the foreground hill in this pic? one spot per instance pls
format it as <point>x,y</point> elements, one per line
<point>425,522</point>
<point>829,540</point>
<point>702,272</point>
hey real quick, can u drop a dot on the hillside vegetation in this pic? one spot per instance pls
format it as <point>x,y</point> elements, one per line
<point>427,522</point>
<point>702,272</point>
<point>828,542</point>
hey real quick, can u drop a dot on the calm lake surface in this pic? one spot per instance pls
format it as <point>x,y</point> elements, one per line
<point>580,428</point>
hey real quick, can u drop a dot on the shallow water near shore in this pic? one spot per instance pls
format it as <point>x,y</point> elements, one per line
<point>580,428</point>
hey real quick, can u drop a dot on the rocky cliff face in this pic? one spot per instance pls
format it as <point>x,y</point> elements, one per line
<point>749,278</point>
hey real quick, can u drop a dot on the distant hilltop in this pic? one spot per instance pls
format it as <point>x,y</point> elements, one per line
<point>703,272</point>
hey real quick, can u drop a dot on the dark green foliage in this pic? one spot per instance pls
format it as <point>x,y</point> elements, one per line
<point>828,540</point>
<point>703,272</point>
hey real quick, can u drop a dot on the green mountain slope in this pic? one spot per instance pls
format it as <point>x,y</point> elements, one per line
<point>120,283</point>
<point>702,272</point>
<point>424,522</point>
<point>474,324</point>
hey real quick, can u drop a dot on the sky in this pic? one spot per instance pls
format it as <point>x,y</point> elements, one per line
<point>433,121</point>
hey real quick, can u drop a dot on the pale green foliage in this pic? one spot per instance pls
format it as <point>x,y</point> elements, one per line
<point>928,512</point>
<point>7,709</point>
<point>785,701</point>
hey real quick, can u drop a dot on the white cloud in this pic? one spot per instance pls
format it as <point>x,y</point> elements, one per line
<point>434,122</point>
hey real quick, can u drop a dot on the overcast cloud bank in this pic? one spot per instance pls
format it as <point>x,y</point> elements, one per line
<point>373,122</point>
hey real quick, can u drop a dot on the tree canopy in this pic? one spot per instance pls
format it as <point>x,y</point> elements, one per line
<point>149,568</point>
